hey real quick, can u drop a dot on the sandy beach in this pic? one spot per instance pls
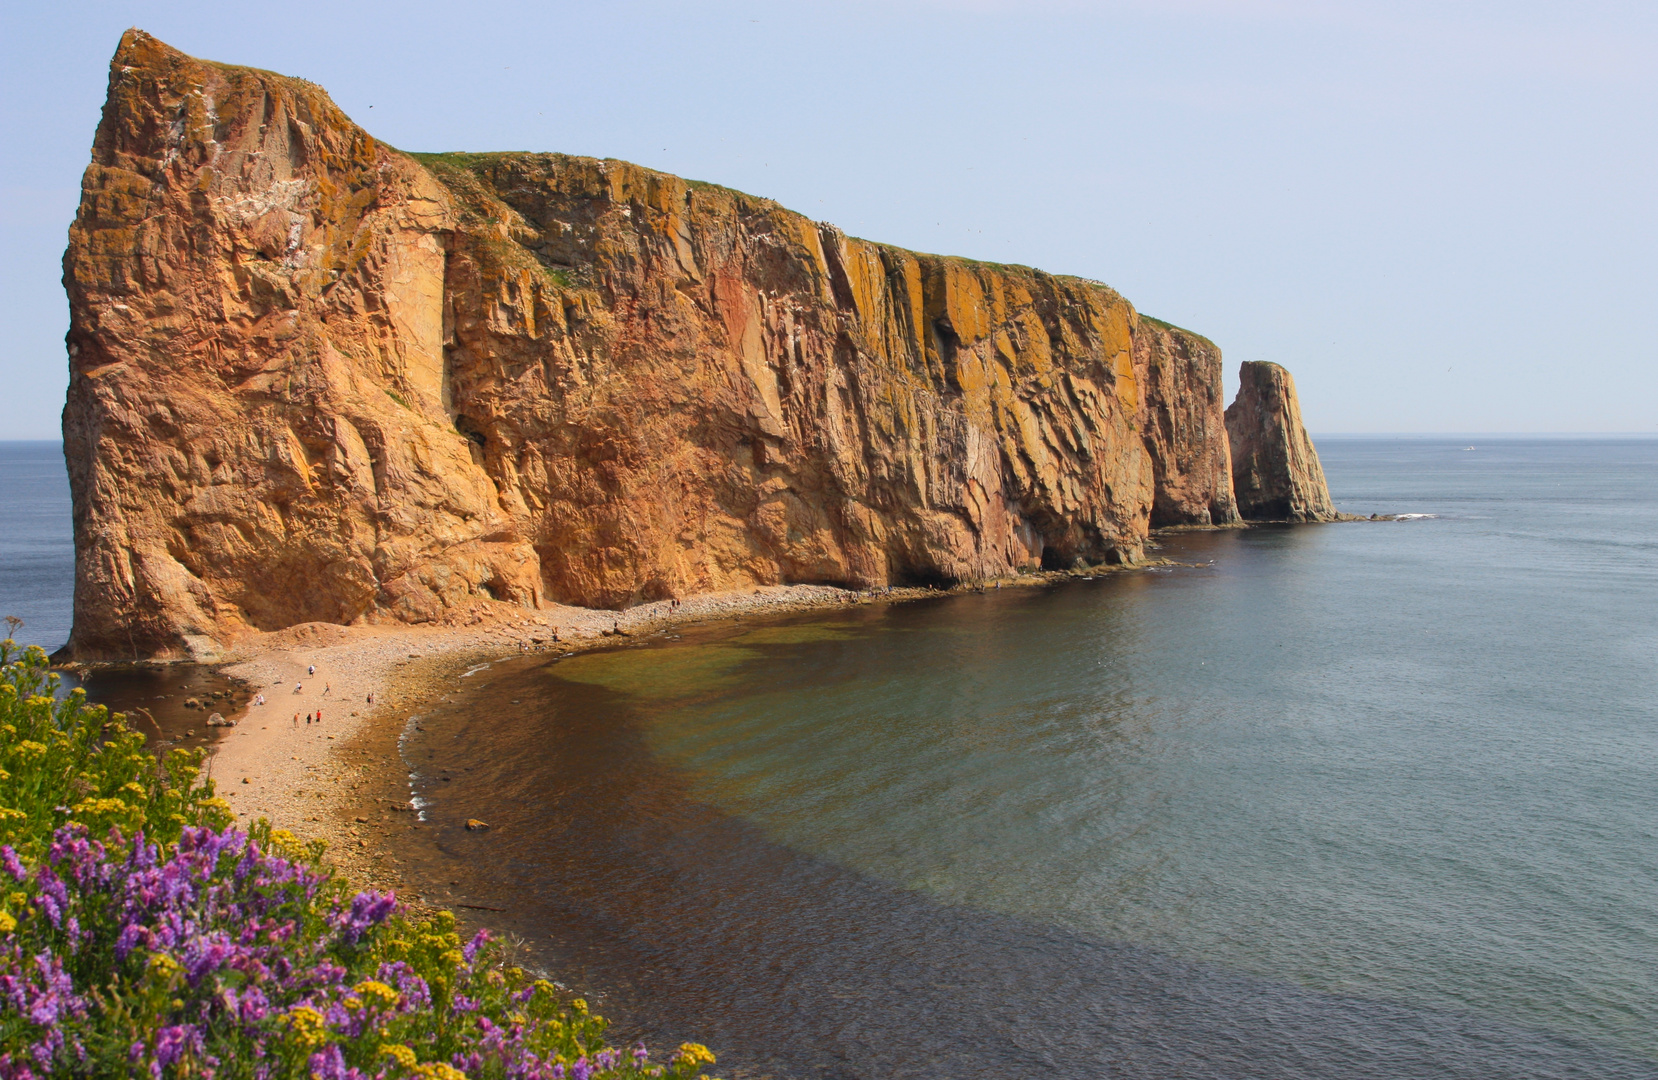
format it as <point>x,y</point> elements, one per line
<point>340,779</point>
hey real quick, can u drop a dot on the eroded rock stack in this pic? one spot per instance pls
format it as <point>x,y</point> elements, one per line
<point>317,379</point>
<point>1276,473</point>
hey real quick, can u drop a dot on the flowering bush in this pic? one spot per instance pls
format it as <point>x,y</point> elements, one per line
<point>64,761</point>
<point>142,934</point>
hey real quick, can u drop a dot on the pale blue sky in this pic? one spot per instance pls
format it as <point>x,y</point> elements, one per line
<point>1440,217</point>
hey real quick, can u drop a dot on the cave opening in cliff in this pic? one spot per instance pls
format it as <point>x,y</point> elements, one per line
<point>925,578</point>
<point>1055,559</point>
<point>474,435</point>
<point>471,430</point>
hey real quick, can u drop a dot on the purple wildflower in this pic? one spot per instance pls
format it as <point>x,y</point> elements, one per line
<point>479,940</point>
<point>329,1064</point>
<point>172,1043</point>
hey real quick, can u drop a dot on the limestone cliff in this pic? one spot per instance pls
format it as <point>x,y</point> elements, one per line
<point>317,379</point>
<point>1275,470</point>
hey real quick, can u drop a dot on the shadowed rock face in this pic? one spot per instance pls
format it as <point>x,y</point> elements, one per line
<point>1275,470</point>
<point>317,379</point>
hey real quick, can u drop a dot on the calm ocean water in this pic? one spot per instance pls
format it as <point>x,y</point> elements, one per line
<point>1365,800</point>
<point>37,544</point>
<point>1361,800</point>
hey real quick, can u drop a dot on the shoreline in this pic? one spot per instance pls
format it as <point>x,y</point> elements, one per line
<point>343,781</point>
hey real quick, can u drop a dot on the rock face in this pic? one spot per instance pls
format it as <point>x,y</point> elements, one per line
<point>1275,470</point>
<point>317,379</point>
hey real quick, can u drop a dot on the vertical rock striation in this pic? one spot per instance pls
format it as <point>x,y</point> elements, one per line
<point>1184,424</point>
<point>317,379</point>
<point>1275,470</point>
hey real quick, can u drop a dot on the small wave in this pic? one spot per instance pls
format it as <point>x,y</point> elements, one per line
<point>1414,517</point>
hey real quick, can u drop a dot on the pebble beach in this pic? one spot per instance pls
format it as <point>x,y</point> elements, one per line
<point>341,779</point>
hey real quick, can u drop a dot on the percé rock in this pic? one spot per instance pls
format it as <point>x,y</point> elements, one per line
<point>1276,474</point>
<point>314,378</point>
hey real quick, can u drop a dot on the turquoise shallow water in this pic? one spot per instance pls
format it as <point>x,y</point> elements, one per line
<point>1347,800</point>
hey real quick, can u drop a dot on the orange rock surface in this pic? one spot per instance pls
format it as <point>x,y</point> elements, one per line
<point>1276,473</point>
<point>318,379</point>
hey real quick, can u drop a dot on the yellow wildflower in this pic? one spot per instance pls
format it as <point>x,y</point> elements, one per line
<point>437,1070</point>
<point>7,923</point>
<point>694,1054</point>
<point>100,806</point>
<point>400,1054</point>
<point>369,988</point>
<point>308,1026</point>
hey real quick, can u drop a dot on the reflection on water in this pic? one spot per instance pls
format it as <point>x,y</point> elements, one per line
<point>698,923</point>
<point>169,703</point>
<point>1345,801</point>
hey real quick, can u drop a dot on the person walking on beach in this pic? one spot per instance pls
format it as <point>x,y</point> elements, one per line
<point>327,687</point>
<point>298,687</point>
<point>312,670</point>
<point>296,719</point>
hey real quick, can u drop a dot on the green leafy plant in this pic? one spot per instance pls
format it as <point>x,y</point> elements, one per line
<point>142,933</point>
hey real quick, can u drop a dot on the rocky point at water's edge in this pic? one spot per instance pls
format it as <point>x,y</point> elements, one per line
<point>318,380</point>
<point>1275,470</point>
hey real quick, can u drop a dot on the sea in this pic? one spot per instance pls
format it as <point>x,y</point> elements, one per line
<point>1370,799</point>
